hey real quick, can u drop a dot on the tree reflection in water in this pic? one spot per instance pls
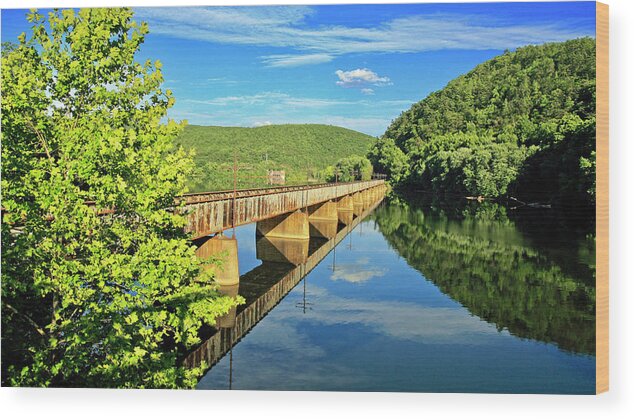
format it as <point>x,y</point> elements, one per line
<point>528,271</point>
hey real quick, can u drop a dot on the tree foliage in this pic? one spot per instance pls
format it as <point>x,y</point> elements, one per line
<point>353,168</point>
<point>93,299</point>
<point>521,123</point>
<point>388,159</point>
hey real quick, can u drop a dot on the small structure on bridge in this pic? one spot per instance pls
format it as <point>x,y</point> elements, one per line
<point>277,177</point>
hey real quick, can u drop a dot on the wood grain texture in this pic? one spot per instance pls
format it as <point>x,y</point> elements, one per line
<point>602,209</point>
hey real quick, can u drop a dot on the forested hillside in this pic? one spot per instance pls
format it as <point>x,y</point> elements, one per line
<point>302,150</point>
<point>520,124</point>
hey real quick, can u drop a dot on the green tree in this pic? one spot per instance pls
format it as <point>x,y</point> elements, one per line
<point>490,169</point>
<point>352,168</point>
<point>93,299</point>
<point>388,159</point>
<point>589,170</point>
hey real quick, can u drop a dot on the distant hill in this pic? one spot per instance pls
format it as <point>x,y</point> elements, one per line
<point>302,150</point>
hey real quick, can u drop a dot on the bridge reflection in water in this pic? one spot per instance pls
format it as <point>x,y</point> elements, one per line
<point>285,262</point>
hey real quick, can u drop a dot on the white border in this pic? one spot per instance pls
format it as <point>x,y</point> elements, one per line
<point>617,403</point>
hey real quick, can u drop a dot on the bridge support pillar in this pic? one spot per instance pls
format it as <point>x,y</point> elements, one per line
<point>323,211</point>
<point>287,226</point>
<point>367,198</point>
<point>358,204</point>
<point>227,248</point>
<point>323,219</point>
<point>345,209</point>
<point>228,320</point>
<point>371,195</point>
<point>324,228</point>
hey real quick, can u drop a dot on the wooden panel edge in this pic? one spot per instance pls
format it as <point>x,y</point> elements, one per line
<point>602,199</point>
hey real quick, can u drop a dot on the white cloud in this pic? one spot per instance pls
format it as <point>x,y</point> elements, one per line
<point>361,77</point>
<point>367,91</point>
<point>285,26</point>
<point>256,99</point>
<point>357,272</point>
<point>355,276</point>
<point>275,98</point>
<point>227,17</point>
<point>262,123</point>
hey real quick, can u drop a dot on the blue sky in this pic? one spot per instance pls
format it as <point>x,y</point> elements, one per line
<point>357,66</point>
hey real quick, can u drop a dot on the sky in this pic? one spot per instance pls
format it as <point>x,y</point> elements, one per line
<point>356,66</point>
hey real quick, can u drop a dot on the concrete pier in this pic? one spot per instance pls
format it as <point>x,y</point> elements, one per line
<point>228,320</point>
<point>323,228</point>
<point>323,211</point>
<point>345,209</point>
<point>226,249</point>
<point>358,203</point>
<point>287,226</point>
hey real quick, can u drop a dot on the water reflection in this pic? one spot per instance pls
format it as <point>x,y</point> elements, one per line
<point>285,251</point>
<point>417,297</point>
<point>478,256</point>
<point>358,271</point>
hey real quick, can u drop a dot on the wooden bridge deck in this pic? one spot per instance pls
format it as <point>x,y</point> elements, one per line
<point>212,212</point>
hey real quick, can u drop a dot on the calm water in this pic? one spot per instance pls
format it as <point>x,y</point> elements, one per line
<point>421,297</point>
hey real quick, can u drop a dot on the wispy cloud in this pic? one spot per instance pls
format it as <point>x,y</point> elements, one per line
<point>274,98</point>
<point>286,100</point>
<point>367,91</point>
<point>285,26</point>
<point>256,99</point>
<point>221,81</point>
<point>294,60</point>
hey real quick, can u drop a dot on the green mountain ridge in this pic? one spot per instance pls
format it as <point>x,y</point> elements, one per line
<point>302,150</point>
<point>521,124</point>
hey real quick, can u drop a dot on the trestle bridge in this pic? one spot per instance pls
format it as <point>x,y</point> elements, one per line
<point>285,263</point>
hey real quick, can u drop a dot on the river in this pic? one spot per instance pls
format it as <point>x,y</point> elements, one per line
<point>429,297</point>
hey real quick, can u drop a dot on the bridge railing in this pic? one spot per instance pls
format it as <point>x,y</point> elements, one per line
<point>193,198</point>
<point>210,213</point>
